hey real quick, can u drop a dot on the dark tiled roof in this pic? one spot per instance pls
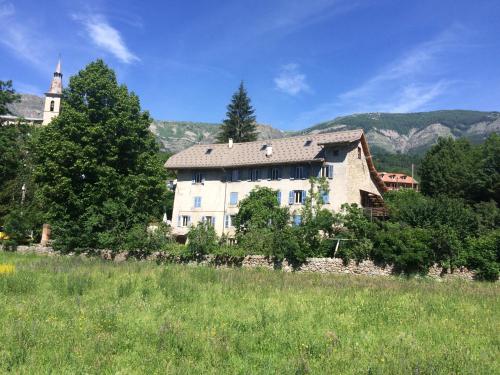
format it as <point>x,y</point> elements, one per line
<point>284,151</point>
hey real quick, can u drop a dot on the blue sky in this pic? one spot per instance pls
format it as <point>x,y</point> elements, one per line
<point>302,62</point>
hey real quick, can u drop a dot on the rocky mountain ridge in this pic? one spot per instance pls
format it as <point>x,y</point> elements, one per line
<point>409,133</point>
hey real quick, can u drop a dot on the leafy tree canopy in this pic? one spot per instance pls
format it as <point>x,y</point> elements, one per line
<point>7,95</point>
<point>459,169</point>
<point>240,119</point>
<point>97,164</point>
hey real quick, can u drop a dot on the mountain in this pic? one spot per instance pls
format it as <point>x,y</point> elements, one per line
<point>387,133</point>
<point>175,136</point>
<point>28,106</point>
<point>414,132</point>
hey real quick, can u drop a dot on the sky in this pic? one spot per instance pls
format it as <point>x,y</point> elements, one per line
<point>302,62</point>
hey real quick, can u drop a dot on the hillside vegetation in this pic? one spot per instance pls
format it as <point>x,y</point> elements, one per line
<point>73,315</point>
<point>406,133</point>
<point>415,132</point>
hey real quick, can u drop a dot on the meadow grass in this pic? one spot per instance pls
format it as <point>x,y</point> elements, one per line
<point>73,315</point>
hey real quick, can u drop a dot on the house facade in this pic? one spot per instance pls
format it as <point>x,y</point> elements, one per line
<point>397,181</point>
<point>213,178</point>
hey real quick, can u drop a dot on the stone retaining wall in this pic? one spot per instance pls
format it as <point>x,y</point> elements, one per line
<point>319,265</point>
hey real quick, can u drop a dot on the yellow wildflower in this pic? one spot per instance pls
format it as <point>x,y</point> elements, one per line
<point>7,268</point>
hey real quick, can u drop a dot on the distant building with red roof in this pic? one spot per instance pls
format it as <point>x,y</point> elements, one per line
<point>396,181</point>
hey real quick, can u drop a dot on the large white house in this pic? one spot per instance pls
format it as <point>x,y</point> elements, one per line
<point>213,178</point>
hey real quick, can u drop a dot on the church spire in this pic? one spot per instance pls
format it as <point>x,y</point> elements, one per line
<point>58,67</point>
<point>53,97</point>
<point>56,84</point>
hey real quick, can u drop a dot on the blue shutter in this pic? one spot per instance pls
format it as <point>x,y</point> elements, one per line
<point>238,177</point>
<point>179,221</point>
<point>203,178</point>
<point>233,198</point>
<point>279,197</point>
<point>330,171</point>
<point>304,193</point>
<point>317,171</point>
<point>226,221</point>
<point>290,197</point>
<point>307,171</point>
<point>326,197</point>
<point>229,176</point>
<point>193,178</point>
<point>297,220</point>
<point>292,172</point>
<point>213,221</point>
<point>280,173</point>
<point>189,220</point>
<point>269,173</point>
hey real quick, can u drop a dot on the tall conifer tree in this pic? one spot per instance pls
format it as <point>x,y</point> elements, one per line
<point>240,121</point>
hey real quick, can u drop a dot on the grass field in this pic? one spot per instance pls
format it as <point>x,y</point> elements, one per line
<point>71,315</point>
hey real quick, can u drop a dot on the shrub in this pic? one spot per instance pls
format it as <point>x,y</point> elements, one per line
<point>406,248</point>
<point>202,239</point>
<point>484,255</point>
<point>143,241</point>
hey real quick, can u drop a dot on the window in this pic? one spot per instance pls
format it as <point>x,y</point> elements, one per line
<point>183,221</point>
<point>210,220</point>
<point>209,151</point>
<point>229,221</point>
<point>325,197</point>
<point>235,175</point>
<point>359,152</point>
<point>233,198</point>
<point>254,174</point>
<point>297,220</point>
<point>198,178</point>
<point>297,197</point>
<point>327,171</point>
<point>231,241</point>
<point>52,103</point>
<point>308,143</point>
<point>299,172</point>
<point>197,202</point>
<point>275,174</point>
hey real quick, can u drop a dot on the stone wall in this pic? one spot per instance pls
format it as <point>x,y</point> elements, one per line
<point>318,265</point>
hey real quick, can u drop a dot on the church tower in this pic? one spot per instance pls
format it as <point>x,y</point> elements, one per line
<point>53,97</point>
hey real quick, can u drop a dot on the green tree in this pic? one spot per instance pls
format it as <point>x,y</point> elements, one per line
<point>97,165</point>
<point>490,169</point>
<point>7,95</point>
<point>239,124</point>
<point>259,210</point>
<point>450,168</point>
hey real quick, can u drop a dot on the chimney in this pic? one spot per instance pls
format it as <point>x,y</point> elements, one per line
<point>269,150</point>
<point>230,143</point>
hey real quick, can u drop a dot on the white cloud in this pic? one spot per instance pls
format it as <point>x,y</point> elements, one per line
<point>107,37</point>
<point>21,38</point>
<point>291,81</point>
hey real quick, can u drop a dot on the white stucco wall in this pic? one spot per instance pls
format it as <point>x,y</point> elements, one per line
<point>350,174</point>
